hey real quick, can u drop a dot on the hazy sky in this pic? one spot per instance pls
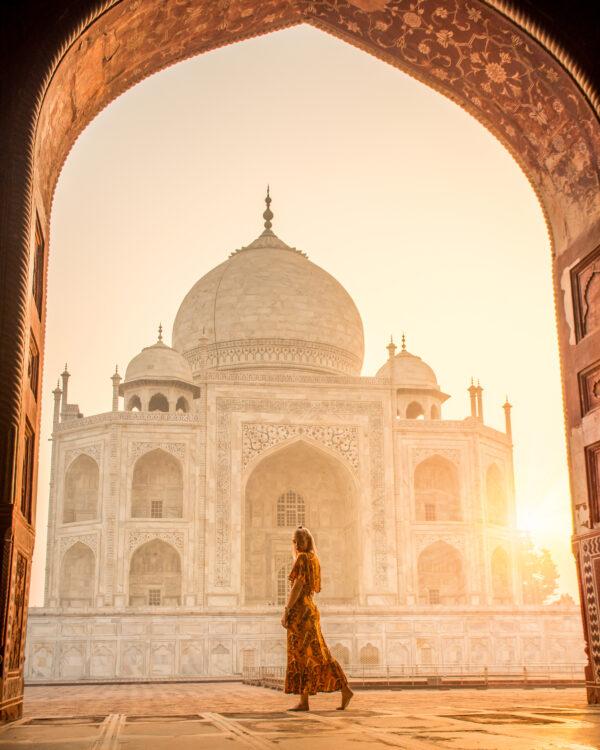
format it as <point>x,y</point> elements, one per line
<point>408,201</point>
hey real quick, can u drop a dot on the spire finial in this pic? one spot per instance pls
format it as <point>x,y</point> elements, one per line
<point>160,331</point>
<point>403,342</point>
<point>391,347</point>
<point>268,214</point>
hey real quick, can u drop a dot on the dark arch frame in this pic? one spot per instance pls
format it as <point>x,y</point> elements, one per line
<point>65,66</point>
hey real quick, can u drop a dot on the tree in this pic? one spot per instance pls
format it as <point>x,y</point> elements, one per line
<point>539,573</point>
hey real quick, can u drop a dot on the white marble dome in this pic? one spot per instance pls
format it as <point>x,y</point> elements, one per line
<point>269,306</point>
<point>158,362</point>
<point>408,370</point>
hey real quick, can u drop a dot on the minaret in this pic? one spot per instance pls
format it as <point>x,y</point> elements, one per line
<point>116,379</point>
<point>507,421</point>
<point>473,395</point>
<point>391,347</point>
<point>65,390</point>
<point>479,402</point>
<point>268,214</point>
<point>57,394</point>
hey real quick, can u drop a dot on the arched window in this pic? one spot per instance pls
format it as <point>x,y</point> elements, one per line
<point>341,653</point>
<point>157,487</point>
<point>501,586</point>
<point>182,406</point>
<point>158,402</point>
<point>369,655</point>
<point>290,509</point>
<point>435,411</point>
<point>155,575</point>
<point>415,411</point>
<point>81,490</point>
<point>134,404</point>
<point>436,490</point>
<point>440,574</point>
<point>591,295</point>
<point>282,585</point>
<point>77,576</point>
<point>497,511</point>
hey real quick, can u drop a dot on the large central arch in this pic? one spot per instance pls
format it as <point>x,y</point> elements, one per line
<point>300,484</point>
<point>503,69</point>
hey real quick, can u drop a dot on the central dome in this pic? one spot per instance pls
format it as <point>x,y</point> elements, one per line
<point>268,306</point>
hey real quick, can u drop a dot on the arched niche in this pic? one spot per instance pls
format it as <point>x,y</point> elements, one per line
<point>77,574</point>
<point>437,496</point>
<point>440,575</point>
<point>158,402</point>
<point>501,577</point>
<point>369,655</point>
<point>415,410</point>
<point>155,575</point>
<point>134,403</point>
<point>82,482</point>
<point>497,507</point>
<point>329,504</point>
<point>157,486</point>
<point>182,406</point>
<point>341,653</point>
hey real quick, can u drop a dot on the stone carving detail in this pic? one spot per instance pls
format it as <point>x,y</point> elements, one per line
<point>93,451</point>
<point>585,278</point>
<point>592,461</point>
<point>68,541</point>
<point>136,538</point>
<point>128,416</point>
<point>138,449</point>
<point>282,352</point>
<point>590,575</point>
<point>309,410</point>
<point>15,625</point>
<point>257,438</point>
<point>424,540</point>
<point>589,387</point>
<point>420,454</point>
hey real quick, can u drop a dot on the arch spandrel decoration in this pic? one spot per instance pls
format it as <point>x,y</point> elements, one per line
<point>66,542</point>
<point>93,451</point>
<point>258,438</point>
<point>136,539</point>
<point>139,448</point>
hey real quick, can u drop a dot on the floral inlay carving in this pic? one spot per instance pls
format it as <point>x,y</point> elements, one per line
<point>93,451</point>
<point>257,438</point>
<point>91,540</point>
<point>136,538</point>
<point>138,449</point>
<point>451,454</point>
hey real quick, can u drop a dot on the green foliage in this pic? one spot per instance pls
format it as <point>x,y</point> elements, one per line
<point>539,572</point>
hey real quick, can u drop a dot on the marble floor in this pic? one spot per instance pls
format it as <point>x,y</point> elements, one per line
<point>222,716</point>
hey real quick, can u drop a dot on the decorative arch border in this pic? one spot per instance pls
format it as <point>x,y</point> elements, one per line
<point>259,439</point>
<point>93,451</point>
<point>137,449</point>
<point>66,542</point>
<point>137,539</point>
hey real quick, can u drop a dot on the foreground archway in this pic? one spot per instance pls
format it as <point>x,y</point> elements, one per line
<point>501,68</point>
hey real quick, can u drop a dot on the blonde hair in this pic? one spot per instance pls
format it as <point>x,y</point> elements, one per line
<point>304,540</point>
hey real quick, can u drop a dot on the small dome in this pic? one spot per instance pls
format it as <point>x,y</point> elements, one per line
<point>408,370</point>
<point>158,362</point>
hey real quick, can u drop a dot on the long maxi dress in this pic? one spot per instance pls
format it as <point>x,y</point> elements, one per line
<point>310,665</point>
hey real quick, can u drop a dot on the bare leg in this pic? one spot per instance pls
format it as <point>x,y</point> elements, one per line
<point>303,705</point>
<point>346,697</point>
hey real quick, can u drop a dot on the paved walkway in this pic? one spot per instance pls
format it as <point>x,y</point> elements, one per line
<point>235,716</point>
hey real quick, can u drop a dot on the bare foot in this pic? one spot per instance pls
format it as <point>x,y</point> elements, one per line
<point>300,707</point>
<point>346,697</point>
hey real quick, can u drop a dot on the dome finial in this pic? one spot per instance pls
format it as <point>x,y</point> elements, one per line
<point>391,347</point>
<point>160,331</point>
<point>268,214</point>
<point>403,342</point>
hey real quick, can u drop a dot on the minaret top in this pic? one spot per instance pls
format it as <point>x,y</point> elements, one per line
<point>160,331</point>
<point>403,342</point>
<point>268,214</point>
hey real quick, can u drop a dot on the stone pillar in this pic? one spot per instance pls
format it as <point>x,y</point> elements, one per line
<point>116,379</point>
<point>56,416</point>
<point>479,402</point>
<point>507,421</point>
<point>472,395</point>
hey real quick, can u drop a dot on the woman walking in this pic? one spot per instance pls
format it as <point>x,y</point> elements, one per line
<point>310,667</point>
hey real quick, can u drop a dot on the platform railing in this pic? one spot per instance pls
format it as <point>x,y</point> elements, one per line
<point>436,676</point>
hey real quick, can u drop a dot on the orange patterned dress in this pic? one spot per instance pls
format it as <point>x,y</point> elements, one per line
<point>310,665</point>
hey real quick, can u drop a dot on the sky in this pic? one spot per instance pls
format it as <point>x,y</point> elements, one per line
<point>416,209</point>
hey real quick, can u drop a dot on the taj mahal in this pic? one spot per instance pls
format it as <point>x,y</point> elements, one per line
<point>171,514</point>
